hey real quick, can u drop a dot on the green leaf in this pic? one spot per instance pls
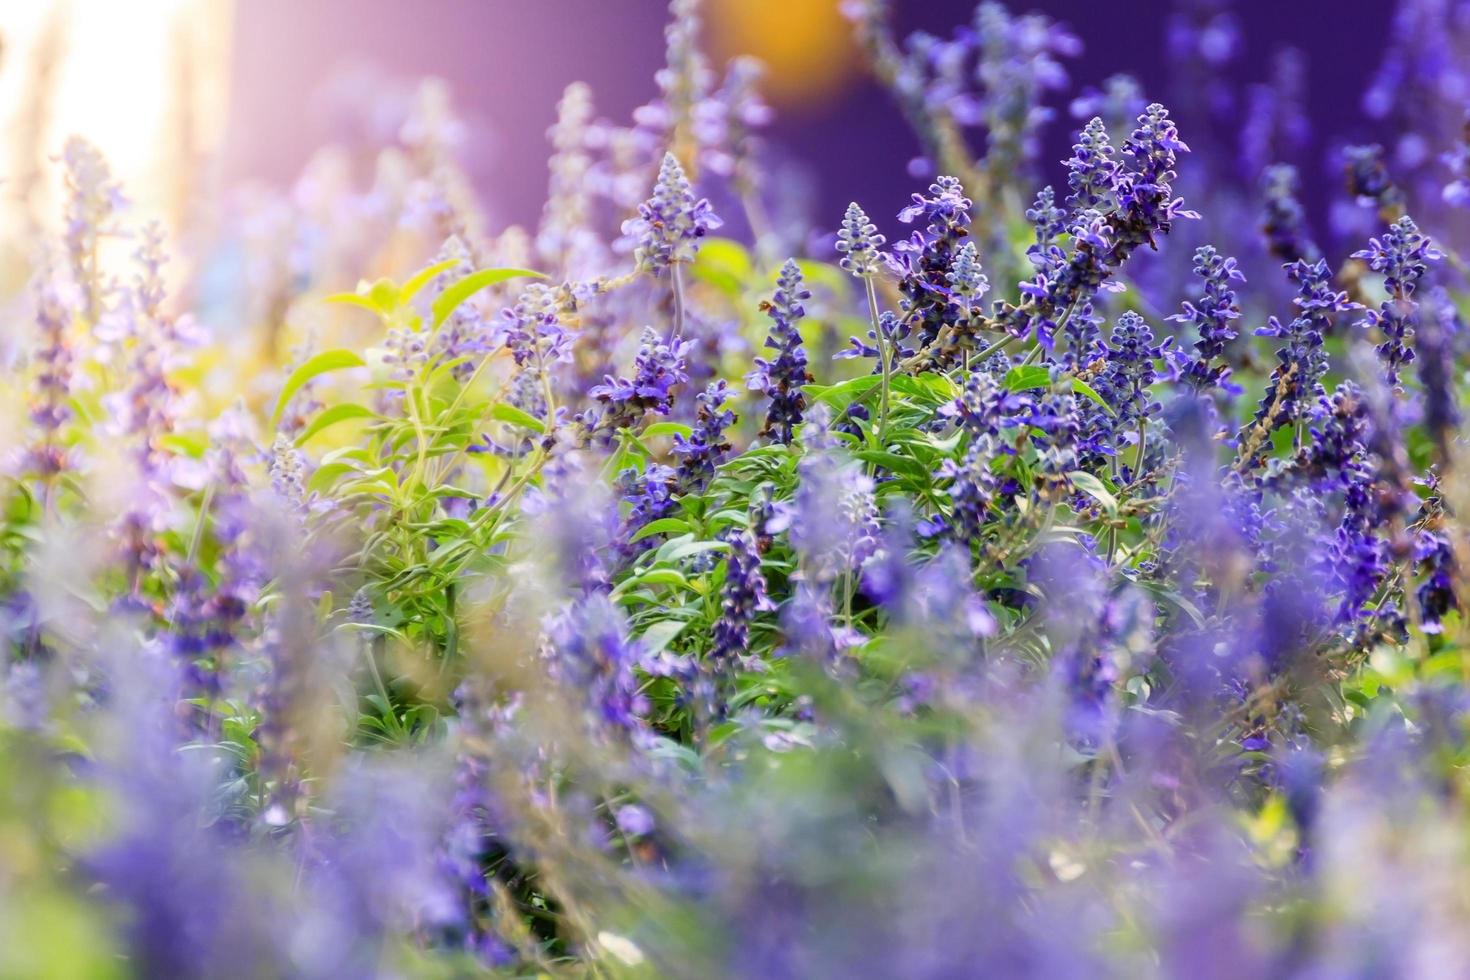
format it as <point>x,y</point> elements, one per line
<point>893,461</point>
<point>513,415</point>
<point>422,278</point>
<point>839,396</point>
<point>352,299</point>
<point>327,474</point>
<point>331,360</point>
<point>1094,488</point>
<point>667,429</point>
<point>1085,390</point>
<point>1027,376</point>
<point>661,576</point>
<point>658,636</point>
<point>664,525</point>
<point>449,300</point>
<point>683,551</point>
<point>333,415</point>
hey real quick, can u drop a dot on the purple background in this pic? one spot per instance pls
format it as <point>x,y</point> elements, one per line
<point>508,61</point>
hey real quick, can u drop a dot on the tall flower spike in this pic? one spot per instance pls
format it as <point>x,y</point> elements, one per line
<point>1129,375</point>
<point>671,222</point>
<point>782,378</point>
<point>1402,255</point>
<point>565,231</point>
<point>656,370</point>
<point>1091,171</point>
<point>966,279</point>
<point>741,597</point>
<point>1049,222</point>
<point>93,201</point>
<point>1283,222</point>
<point>706,447</point>
<point>1118,103</point>
<point>1369,182</point>
<point>859,243</point>
<point>288,473</point>
<point>51,389</point>
<point>1213,316</point>
<point>1296,382</point>
<point>1146,203</point>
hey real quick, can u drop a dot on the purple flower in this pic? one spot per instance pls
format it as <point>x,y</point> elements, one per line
<point>657,368</point>
<point>1146,203</point>
<point>465,335</point>
<point>684,81</point>
<point>1128,376</point>
<point>724,122</point>
<point>671,222</point>
<point>1058,429</point>
<point>650,496</point>
<point>742,595</point>
<point>946,209</point>
<point>1369,182</point>
<point>566,239</point>
<point>635,820</point>
<point>1092,173</point>
<point>93,201</point>
<point>588,652</point>
<point>51,388</point>
<point>1402,255</point>
<point>1019,62</point>
<point>1118,103</point>
<point>1213,317</point>
<point>706,446</point>
<point>933,307</point>
<point>1283,222</point>
<point>1296,382</point>
<point>1457,191</point>
<point>832,519</point>
<point>859,242</point>
<point>1436,343</point>
<point>1275,125</point>
<point>1049,222</point>
<point>287,473</point>
<point>973,486</point>
<point>782,378</point>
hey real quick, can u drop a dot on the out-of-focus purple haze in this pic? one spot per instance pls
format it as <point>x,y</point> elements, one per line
<point>508,60</point>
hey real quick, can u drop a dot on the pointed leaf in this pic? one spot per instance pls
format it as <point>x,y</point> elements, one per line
<point>450,300</point>
<point>331,360</point>
<point>333,415</point>
<point>513,415</point>
<point>422,278</point>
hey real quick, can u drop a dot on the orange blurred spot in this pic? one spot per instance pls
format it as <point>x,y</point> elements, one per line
<point>806,45</point>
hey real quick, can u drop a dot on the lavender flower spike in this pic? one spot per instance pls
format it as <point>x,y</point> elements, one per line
<point>782,378</point>
<point>743,595</point>
<point>1402,256</point>
<point>93,200</point>
<point>859,242</point>
<point>671,222</point>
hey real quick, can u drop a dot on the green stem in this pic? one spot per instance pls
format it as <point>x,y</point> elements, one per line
<point>885,356</point>
<point>677,277</point>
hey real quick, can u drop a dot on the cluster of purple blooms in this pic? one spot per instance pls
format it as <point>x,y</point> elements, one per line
<point>1035,632</point>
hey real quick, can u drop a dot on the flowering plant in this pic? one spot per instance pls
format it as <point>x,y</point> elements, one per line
<point>576,612</point>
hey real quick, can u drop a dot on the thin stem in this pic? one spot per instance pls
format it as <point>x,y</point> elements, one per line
<point>995,348</point>
<point>885,356</point>
<point>677,278</point>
